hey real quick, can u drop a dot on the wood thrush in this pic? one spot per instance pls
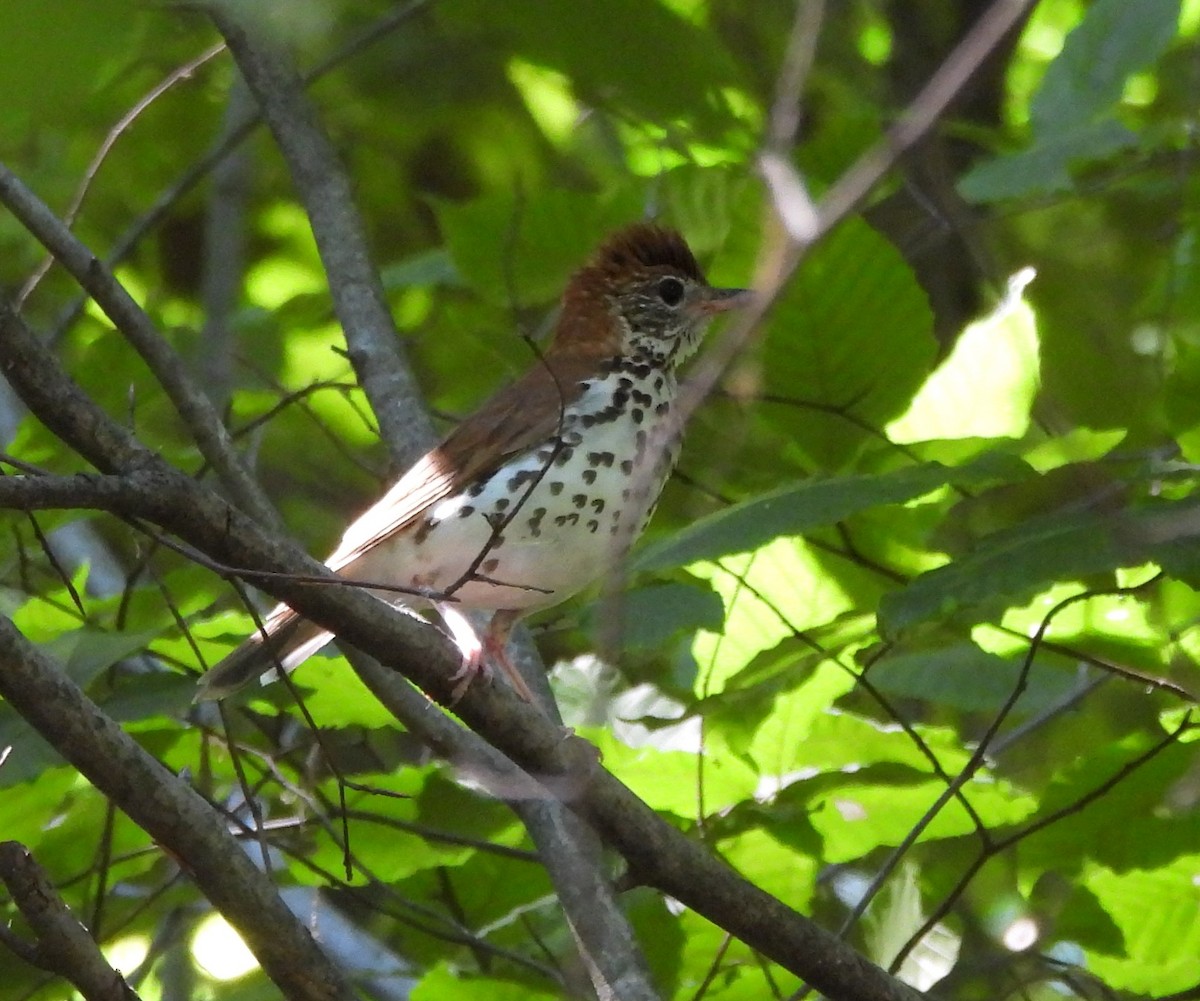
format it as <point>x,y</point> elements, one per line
<point>543,489</point>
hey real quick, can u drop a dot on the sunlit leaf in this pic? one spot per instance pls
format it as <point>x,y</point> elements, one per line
<point>755,590</point>
<point>984,389</point>
<point>858,815</point>
<point>668,780</point>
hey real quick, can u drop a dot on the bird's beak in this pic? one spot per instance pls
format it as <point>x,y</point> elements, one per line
<point>721,300</point>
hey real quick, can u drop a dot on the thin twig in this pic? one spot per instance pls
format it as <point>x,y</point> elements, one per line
<point>177,75</point>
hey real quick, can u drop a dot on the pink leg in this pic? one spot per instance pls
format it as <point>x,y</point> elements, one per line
<point>478,657</point>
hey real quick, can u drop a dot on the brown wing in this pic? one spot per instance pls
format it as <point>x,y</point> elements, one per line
<point>518,418</point>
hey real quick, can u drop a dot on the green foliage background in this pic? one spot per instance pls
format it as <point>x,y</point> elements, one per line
<point>885,543</point>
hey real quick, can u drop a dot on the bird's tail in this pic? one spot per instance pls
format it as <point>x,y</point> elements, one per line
<point>285,641</point>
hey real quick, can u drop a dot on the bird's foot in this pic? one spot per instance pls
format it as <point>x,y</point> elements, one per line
<point>473,663</point>
<point>478,657</point>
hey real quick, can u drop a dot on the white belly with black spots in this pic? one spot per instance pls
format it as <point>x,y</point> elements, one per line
<point>549,524</point>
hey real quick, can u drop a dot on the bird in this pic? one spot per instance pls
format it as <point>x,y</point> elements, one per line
<point>544,488</point>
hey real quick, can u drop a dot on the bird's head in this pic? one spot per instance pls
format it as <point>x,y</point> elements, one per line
<point>641,294</point>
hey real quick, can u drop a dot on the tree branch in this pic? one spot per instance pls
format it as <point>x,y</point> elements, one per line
<point>372,339</point>
<point>63,946</point>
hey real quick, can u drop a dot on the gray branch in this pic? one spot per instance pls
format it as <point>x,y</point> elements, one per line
<point>358,299</point>
<point>63,945</point>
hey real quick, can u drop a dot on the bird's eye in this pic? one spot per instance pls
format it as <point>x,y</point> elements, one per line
<point>670,291</point>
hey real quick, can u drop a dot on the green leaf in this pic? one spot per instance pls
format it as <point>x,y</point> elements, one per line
<point>1136,855</point>
<point>445,805</point>
<point>149,696</point>
<point>395,838</point>
<point>492,889</point>
<point>1080,918</point>
<point>663,611</point>
<point>1071,115</point>
<point>1115,39</point>
<point>967,678</point>
<point>777,745</point>
<point>755,588</point>
<point>852,333</point>
<point>30,806</point>
<point>338,697</point>
<point>803,735</point>
<point>667,779</point>
<point>35,754</point>
<point>58,51</point>
<point>740,976</point>
<point>1158,913</point>
<point>1045,166</point>
<point>711,206</point>
<point>855,816</point>
<point>613,53</point>
<point>86,652</point>
<point>792,510</point>
<point>1076,446</point>
<point>1125,829</point>
<point>519,251</point>
<point>764,861</point>
<point>1010,566</point>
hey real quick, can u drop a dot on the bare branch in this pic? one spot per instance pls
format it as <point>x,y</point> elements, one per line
<point>63,945</point>
<point>374,344</point>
